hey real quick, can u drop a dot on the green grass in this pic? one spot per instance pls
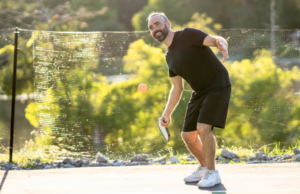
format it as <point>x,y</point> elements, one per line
<point>31,150</point>
<point>49,154</point>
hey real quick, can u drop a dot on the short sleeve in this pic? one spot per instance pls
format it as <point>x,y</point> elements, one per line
<point>171,73</point>
<point>195,36</point>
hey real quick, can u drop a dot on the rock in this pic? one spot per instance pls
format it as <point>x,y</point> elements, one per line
<point>159,161</point>
<point>86,161</point>
<point>59,164</point>
<point>7,166</point>
<point>286,156</point>
<point>296,151</point>
<point>28,168</point>
<point>224,161</point>
<point>174,160</point>
<point>137,163</point>
<point>236,160</point>
<point>104,164</point>
<point>39,166</point>
<point>220,158</point>
<point>37,161</point>
<point>47,167</point>
<point>77,163</point>
<point>93,164</point>
<point>253,162</point>
<point>262,156</point>
<point>67,161</point>
<point>191,158</point>
<point>297,157</point>
<point>118,163</point>
<point>101,158</point>
<point>140,157</point>
<point>270,158</point>
<point>245,159</point>
<point>68,166</point>
<point>229,155</point>
<point>278,157</point>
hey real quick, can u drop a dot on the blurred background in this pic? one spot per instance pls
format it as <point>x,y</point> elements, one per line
<point>78,91</point>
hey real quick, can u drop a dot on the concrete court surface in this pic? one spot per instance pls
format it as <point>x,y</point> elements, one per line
<point>164,179</point>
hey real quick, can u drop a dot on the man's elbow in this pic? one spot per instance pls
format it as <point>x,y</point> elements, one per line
<point>178,89</point>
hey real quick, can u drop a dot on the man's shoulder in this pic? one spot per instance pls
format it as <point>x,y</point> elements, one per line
<point>190,32</point>
<point>194,33</point>
<point>188,29</point>
<point>185,31</point>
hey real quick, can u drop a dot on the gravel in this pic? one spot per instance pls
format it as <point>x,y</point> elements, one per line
<point>144,159</point>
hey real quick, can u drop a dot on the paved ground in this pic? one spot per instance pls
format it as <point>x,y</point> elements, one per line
<point>238,178</point>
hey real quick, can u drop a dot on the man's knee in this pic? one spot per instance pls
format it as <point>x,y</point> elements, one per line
<point>204,129</point>
<point>189,137</point>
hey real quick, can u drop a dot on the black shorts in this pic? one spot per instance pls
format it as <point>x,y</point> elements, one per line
<point>210,108</point>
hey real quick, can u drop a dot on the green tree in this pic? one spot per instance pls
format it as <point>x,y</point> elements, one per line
<point>131,116</point>
<point>63,111</point>
<point>59,15</point>
<point>24,82</point>
<point>201,21</point>
<point>178,12</point>
<point>230,14</point>
<point>263,105</point>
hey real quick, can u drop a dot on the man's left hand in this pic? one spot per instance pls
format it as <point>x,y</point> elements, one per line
<point>222,48</point>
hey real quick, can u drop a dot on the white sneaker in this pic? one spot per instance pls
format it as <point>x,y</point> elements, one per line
<point>196,176</point>
<point>210,179</point>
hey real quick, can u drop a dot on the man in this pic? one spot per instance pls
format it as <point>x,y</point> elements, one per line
<point>189,57</point>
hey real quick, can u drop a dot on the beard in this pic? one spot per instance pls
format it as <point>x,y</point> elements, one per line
<point>164,33</point>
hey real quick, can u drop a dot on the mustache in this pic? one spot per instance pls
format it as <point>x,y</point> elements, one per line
<point>158,32</point>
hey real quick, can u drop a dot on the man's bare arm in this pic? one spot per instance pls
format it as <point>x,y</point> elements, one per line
<point>212,41</point>
<point>173,100</point>
<point>219,42</point>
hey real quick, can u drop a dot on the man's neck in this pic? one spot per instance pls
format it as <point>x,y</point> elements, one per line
<point>169,39</point>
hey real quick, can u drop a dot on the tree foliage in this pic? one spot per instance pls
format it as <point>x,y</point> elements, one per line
<point>24,79</point>
<point>230,14</point>
<point>72,109</point>
<point>170,8</point>
<point>263,106</point>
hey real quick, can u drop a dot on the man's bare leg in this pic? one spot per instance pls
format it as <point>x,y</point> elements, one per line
<point>194,145</point>
<point>208,143</point>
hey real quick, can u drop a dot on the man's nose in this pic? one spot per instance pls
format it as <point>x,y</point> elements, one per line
<point>154,29</point>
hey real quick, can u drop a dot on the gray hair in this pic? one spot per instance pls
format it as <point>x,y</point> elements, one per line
<point>161,14</point>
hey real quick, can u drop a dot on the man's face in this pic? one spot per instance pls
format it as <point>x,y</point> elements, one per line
<point>158,28</point>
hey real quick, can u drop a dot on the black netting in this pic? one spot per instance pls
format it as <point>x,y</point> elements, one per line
<point>79,90</point>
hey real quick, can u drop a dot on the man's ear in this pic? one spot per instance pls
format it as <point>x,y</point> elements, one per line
<point>169,24</point>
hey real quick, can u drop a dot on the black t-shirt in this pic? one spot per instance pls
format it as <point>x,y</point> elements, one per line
<point>188,58</point>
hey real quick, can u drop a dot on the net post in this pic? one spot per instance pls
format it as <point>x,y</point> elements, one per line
<point>13,96</point>
<point>272,19</point>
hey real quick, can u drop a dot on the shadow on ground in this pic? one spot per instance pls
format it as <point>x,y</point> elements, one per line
<point>219,188</point>
<point>3,179</point>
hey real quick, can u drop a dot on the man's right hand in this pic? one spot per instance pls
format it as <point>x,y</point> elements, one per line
<point>167,118</point>
<point>173,100</point>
